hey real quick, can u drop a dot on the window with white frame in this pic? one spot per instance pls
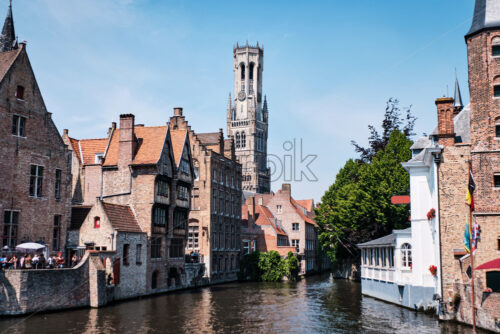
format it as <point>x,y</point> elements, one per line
<point>246,247</point>
<point>295,226</point>
<point>278,209</point>
<point>193,233</point>
<point>296,244</point>
<point>18,126</point>
<point>36,180</point>
<point>406,256</point>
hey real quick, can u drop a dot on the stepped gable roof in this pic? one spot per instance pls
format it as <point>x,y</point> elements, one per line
<point>150,141</point>
<point>7,58</point>
<point>302,214</point>
<point>121,218</point>
<point>86,149</point>
<point>78,215</point>
<point>385,240</point>
<point>265,217</point>
<point>486,16</point>
<point>462,126</point>
<point>210,138</point>
<point>178,138</point>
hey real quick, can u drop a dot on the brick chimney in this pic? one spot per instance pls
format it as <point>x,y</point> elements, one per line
<point>446,127</point>
<point>286,189</point>
<point>177,111</point>
<point>127,144</point>
<point>251,209</point>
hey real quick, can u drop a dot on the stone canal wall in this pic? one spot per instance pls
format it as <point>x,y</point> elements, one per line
<point>25,291</point>
<point>28,291</point>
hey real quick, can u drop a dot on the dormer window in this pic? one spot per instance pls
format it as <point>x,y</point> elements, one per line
<point>20,92</point>
<point>98,157</point>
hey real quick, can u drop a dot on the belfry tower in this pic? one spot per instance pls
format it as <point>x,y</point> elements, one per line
<point>247,118</point>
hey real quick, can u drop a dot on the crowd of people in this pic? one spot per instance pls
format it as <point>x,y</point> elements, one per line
<point>36,261</point>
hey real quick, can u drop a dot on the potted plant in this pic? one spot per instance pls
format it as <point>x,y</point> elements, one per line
<point>433,269</point>
<point>431,214</point>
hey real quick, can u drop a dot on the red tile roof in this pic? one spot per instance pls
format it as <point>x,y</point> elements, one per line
<point>121,218</point>
<point>299,210</point>
<point>265,217</point>
<point>6,60</point>
<point>178,138</point>
<point>150,145</point>
<point>306,203</point>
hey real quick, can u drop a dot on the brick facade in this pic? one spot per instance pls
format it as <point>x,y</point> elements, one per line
<point>215,216</point>
<point>34,207</point>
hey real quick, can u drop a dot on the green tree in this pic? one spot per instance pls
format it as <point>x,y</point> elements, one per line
<point>291,267</point>
<point>357,207</point>
<point>271,266</point>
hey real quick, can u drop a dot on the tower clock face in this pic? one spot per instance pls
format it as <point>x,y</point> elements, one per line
<point>241,96</point>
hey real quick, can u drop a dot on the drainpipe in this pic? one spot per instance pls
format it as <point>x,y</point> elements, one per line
<point>437,161</point>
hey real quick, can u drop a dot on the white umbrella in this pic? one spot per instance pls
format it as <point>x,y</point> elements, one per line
<point>29,247</point>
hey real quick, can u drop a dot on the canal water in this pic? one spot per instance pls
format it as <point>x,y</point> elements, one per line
<point>317,304</point>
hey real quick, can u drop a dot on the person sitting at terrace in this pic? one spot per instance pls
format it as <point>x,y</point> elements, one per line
<point>42,261</point>
<point>60,260</point>
<point>28,262</point>
<point>3,262</point>
<point>13,262</point>
<point>52,262</point>
<point>35,261</point>
<point>74,260</point>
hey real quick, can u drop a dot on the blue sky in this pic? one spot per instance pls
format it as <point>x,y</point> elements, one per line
<point>330,66</point>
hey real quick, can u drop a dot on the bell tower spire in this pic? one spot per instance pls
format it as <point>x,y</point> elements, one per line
<point>8,39</point>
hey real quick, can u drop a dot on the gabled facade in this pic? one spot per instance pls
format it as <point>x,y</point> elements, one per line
<point>113,229</point>
<point>214,219</point>
<point>35,177</point>
<point>148,169</point>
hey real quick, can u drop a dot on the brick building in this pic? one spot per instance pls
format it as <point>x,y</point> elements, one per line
<point>150,170</point>
<point>214,219</point>
<point>294,218</point>
<point>481,153</point>
<point>262,231</point>
<point>35,178</point>
<point>113,229</point>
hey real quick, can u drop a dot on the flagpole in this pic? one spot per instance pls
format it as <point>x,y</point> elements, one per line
<point>472,265</point>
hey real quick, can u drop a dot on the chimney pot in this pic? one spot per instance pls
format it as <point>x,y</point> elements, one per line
<point>65,132</point>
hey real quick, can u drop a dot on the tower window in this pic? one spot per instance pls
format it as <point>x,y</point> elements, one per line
<point>242,69</point>
<point>243,140</point>
<point>497,91</point>
<point>250,73</point>
<point>238,140</point>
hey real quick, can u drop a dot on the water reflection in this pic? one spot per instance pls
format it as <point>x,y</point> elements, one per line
<point>315,305</point>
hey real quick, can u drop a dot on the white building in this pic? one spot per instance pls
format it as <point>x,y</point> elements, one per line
<point>396,268</point>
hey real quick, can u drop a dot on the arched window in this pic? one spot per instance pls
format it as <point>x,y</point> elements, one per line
<point>242,70</point>
<point>406,255</point>
<point>243,139</point>
<point>238,140</point>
